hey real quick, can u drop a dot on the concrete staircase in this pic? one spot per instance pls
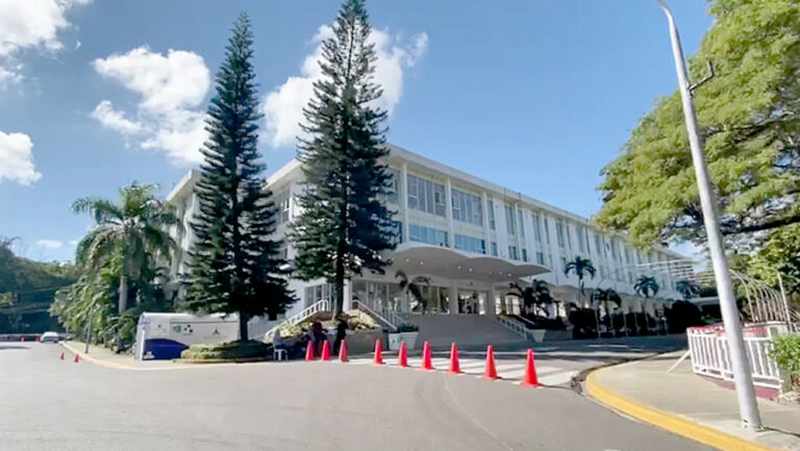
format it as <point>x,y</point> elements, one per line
<point>465,330</point>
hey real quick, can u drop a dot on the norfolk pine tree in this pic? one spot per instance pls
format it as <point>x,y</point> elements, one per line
<point>234,265</point>
<point>344,227</point>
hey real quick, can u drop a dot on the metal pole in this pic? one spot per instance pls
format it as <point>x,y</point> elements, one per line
<point>748,409</point>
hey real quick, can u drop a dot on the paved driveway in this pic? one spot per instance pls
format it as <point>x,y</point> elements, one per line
<point>48,404</point>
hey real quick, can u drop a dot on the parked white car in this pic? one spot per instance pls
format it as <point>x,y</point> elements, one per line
<point>50,337</point>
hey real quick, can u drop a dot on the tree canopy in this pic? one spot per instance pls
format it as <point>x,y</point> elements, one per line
<point>344,227</point>
<point>749,115</point>
<point>235,265</point>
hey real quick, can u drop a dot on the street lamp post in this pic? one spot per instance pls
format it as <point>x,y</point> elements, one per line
<point>748,409</point>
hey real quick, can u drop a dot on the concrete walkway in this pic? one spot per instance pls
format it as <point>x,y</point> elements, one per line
<point>690,405</point>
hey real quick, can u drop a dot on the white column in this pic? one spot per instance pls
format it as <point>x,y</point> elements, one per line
<point>451,238</point>
<point>491,302</point>
<point>348,295</point>
<point>404,203</point>
<point>452,298</point>
<point>485,219</point>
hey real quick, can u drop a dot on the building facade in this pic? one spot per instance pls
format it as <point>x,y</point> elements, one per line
<point>463,240</point>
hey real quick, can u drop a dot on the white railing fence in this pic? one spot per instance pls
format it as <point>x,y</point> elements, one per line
<point>387,317</point>
<point>517,327</point>
<point>711,356</point>
<point>320,306</point>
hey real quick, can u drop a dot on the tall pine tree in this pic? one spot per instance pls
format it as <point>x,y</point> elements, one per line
<point>234,264</point>
<point>344,227</point>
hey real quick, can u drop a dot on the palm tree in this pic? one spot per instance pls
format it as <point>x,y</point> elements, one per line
<point>687,288</point>
<point>581,267</point>
<point>537,295</point>
<point>133,231</point>
<point>413,286</point>
<point>646,286</point>
<point>606,296</point>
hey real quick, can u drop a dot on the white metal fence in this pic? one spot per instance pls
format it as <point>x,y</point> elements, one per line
<point>711,356</point>
<point>320,306</point>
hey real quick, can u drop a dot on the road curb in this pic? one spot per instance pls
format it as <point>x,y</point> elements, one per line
<point>666,420</point>
<point>95,361</point>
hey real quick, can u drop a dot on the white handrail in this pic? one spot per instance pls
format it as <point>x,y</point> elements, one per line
<point>323,305</point>
<point>516,327</point>
<point>372,312</point>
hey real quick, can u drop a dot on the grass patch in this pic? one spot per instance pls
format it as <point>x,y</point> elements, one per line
<point>231,351</point>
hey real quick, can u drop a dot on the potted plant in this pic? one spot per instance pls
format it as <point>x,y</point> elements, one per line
<point>405,332</point>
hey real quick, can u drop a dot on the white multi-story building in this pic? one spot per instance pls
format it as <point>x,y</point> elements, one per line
<point>470,238</point>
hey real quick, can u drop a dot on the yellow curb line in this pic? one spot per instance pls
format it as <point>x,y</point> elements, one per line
<point>668,421</point>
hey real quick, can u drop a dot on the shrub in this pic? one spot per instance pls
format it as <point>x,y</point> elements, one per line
<point>786,352</point>
<point>234,350</point>
<point>406,327</point>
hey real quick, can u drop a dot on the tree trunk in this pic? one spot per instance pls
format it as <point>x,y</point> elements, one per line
<point>123,293</point>
<point>243,332</point>
<point>338,304</point>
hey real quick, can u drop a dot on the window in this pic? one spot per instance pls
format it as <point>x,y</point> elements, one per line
<point>627,255</point>
<point>427,235</point>
<point>598,243</point>
<point>511,220</point>
<point>546,229</point>
<point>492,223</point>
<point>512,253</point>
<point>537,227</point>
<point>425,195</point>
<point>521,223</point>
<point>470,244</point>
<point>540,258</point>
<point>569,236</point>
<point>467,207</point>
<point>494,248</point>
<point>563,263</point>
<point>560,233</point>
<point>397,232</point>
<point>524,255</point>
<point>392,193</point>
<point>282,203</point>
<point>581,238</point>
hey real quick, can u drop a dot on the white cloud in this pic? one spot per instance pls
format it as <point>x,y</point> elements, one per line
<point>172,90</point>
<point>115,120</point>
<point>50,244</point>
<point>16,159</point>
<point>283,107</point>
<point>30,24</point>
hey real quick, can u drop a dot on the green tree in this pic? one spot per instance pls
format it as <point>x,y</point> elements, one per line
<point>749,116</point>
<point>344,227</point>
<point>134,230</point>
<point>687,288</point>
<point>414,286</point>
<point>646,286</point>
<point>537,295</point>
<point>581,267</point>
<point>234,266</point>
<point>779,254</point>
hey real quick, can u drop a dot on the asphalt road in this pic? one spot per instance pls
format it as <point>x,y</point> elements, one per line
<point>49,404</point>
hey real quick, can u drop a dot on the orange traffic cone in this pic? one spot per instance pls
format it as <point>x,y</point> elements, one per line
<point>455,367</point>
<point>310,351</point>
<point>77,358</point>
<point>427,363</point>
<point>62,356</point>
<point>491,370</point>
<point>343,352</point>
<point>531,380</point>
<point>403,355</point>
<point>378,352</point>
<point>326,351</point>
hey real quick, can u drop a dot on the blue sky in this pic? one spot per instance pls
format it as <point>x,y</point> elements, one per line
<point>537,95</point>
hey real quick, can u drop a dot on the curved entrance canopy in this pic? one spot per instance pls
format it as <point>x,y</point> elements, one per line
<point>416,258</point>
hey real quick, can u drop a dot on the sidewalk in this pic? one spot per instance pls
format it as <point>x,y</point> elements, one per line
<point>690,405</point>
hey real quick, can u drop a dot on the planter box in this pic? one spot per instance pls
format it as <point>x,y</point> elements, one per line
<point>409,337</point>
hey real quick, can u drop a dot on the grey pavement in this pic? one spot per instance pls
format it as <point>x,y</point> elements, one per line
<point>48,403</point>
<point>686,395</point>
